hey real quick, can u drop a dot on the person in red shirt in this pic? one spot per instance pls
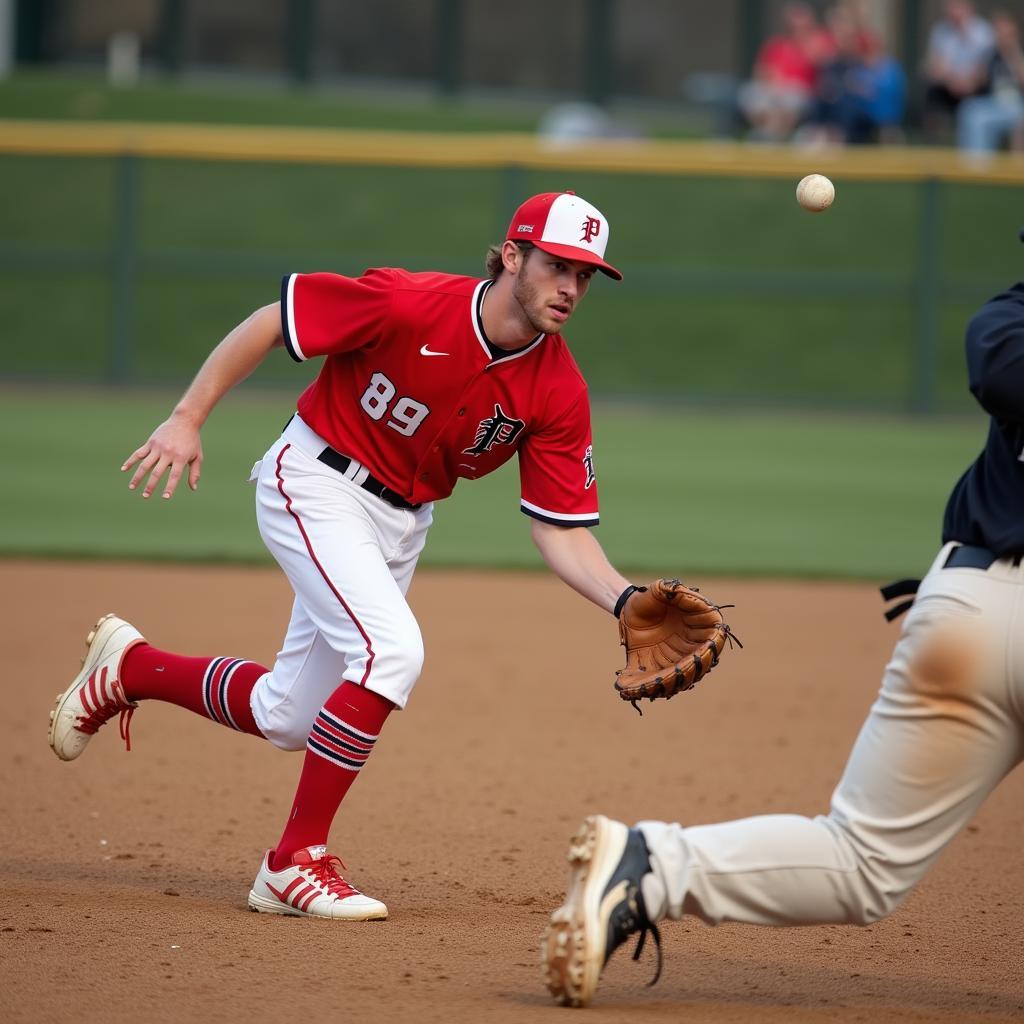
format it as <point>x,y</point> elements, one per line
<point>785,76</point>
<point>427,378</point>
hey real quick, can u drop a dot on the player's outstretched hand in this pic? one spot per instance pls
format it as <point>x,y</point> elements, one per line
<point>174,446</point>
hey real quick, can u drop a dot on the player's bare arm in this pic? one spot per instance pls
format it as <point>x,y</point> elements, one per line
<point>673,635</point>
<point>575,556</point>
<point>175,445</point>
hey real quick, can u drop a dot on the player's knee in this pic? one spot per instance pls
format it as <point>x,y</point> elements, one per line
<point>283,721</point>
<point>396,665</point>
<point>287,734</point>
<point>880,889</point>
<point>877,879</point>
<point>875,908</point>
<point>286,728</point>
<point>412,662</point>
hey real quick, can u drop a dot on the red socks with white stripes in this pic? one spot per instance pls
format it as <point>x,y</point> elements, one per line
<point>216,688</point>
<point>342,739</point>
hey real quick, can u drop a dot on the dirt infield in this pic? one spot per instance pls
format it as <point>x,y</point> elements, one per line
<point>124,876</point>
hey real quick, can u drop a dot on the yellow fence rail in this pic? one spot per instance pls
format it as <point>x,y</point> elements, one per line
<point>432,149</point>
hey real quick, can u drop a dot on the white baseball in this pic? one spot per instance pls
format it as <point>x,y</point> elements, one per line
<point>815,193</point>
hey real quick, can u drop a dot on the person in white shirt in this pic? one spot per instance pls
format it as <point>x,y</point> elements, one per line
<point>984,122</point>
<point>956,64</point>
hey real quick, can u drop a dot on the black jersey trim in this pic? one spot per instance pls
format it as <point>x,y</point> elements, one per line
<point>489,347</point>
<point>556,521</point>
<point>287,318</point>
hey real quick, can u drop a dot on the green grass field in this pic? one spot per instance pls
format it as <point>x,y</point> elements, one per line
<point>687,493</point>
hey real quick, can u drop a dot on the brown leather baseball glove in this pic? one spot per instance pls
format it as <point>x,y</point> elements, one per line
<point>673,637</point>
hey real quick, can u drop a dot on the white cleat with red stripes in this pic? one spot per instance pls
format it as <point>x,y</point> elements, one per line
<point>311,887</point>
<point>96,694</point>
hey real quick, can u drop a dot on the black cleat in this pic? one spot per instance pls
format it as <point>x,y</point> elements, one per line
<point>603,908</point>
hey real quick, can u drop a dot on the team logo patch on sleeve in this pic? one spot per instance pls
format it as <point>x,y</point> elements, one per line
<point>496,429</point>
<point>588,465</point>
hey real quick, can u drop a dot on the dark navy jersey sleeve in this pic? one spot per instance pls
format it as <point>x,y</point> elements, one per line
<point>995,355</point>
<point>986,507</point>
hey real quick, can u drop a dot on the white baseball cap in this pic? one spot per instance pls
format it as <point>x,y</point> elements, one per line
<point>564,224</point>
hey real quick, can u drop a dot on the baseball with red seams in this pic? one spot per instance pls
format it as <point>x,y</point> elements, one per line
<point>815,193</point>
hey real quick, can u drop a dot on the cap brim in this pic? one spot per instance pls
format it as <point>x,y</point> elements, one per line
<point>570,252</point>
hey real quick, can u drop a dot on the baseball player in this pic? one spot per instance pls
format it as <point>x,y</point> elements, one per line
<point>947,726</point>
<point>427,379</point>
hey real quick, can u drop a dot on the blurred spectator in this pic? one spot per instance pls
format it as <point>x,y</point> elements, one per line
<point>861,90</point>
<point>884,93</point>
<point>956,63</point>
<point>576,124</point>
<point>785,75</point>
<point>855,11</point>
<point>983,122</point>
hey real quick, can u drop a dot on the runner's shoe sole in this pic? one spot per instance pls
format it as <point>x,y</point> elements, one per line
<point>574,947</point>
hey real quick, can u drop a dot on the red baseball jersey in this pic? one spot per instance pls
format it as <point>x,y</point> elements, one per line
<point>410,388</point>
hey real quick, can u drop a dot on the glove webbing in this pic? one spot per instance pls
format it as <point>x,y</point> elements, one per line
<point>698,665</point>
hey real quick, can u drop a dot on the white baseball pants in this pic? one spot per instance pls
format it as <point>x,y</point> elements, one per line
<point>349,557</point>
<point>947,726</point>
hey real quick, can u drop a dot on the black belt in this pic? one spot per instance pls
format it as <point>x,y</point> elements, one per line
<point>967,556</point>
<point>342,462</point>
<point>964,556</point>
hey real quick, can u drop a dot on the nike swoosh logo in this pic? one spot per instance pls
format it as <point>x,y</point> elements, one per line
<point>424,351</point>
